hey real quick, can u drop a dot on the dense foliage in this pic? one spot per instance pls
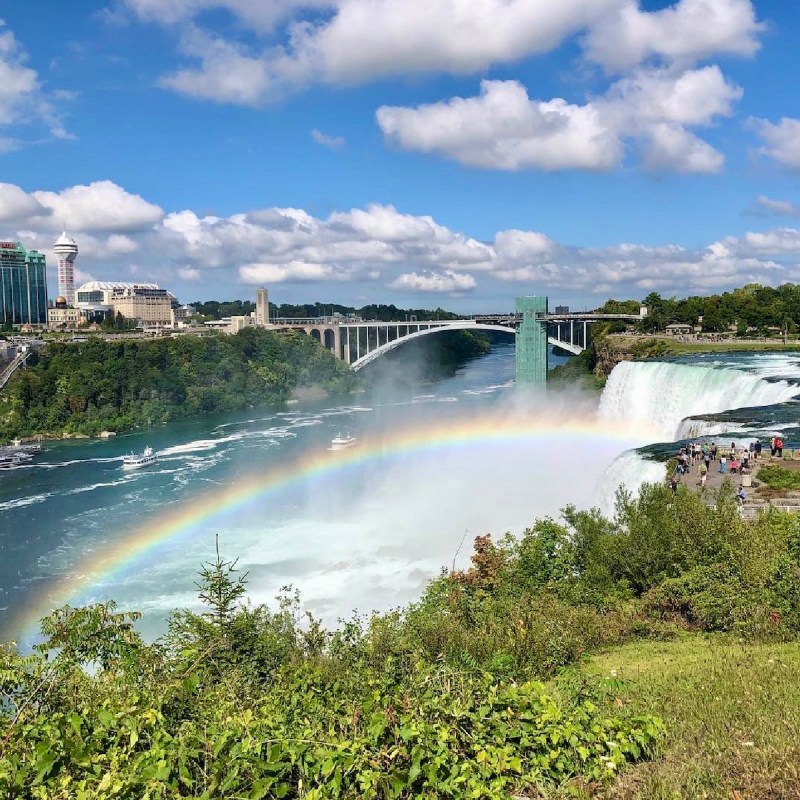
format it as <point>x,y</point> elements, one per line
<point>100,385</point>
<point>776,477</point>
<point>213,309</point>
<point>752,308</point>
<point>441,699</point>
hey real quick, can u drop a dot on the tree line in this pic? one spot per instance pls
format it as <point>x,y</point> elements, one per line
<point>214,309</point>
<point>752,308</point>
<point>98,385</point>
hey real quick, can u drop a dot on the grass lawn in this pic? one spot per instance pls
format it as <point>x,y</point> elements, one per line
<point>675,347</point>
<point>732,713</point>
<point>716,347</point>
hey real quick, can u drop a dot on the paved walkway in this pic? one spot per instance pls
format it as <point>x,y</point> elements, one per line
<point>789,502</point>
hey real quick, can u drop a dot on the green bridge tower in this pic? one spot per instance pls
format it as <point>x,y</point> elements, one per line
<point>532,342</point>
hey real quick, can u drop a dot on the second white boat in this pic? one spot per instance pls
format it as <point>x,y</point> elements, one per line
<point>136,461</point>
<point>340,442</point>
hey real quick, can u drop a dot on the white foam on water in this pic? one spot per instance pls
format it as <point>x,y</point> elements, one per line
<point>630,470</point>
<point>20,502</point>
<point>664,393</point>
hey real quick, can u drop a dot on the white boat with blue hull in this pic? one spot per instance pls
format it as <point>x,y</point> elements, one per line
<point>138,461</point>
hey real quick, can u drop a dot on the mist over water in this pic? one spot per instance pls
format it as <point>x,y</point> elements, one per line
<point>362,533</point>
<point>368,535</point>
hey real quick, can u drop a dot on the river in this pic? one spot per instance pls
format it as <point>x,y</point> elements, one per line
<point>364,529</point>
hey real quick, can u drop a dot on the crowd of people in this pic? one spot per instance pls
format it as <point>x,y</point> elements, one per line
<point>732,460</point>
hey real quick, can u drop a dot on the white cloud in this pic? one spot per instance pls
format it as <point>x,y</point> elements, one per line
<point>686,32</point>
<point>261,16</point>
<point>781,140</point>
<point>17,204</point>
<point>291,272</point>
<point>23,100</point>
<point>99,206</point>
<point>781,240</point>
<point>18,83</point>
<point>364,40</point>
<point>119,244</point>
<point>673,148</point>
<point>229,73</point>
<point>380,246</point>
<point>434,282</point>
<point>781,208</point>
<point>516,245</point>
<point>334,142</point>
<point>504,129</point>
<point>675,97</point>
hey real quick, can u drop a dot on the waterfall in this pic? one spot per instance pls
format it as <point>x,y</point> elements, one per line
<point>662,394</point>
<point>630,469</point>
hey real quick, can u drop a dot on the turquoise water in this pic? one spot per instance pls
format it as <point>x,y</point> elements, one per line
<point>75,499</point>
<point>369,536</point>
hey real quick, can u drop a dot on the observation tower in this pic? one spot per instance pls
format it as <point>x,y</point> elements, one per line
<point>67,251</point>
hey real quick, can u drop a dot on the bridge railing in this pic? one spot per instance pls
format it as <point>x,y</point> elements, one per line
<point>12,367</point>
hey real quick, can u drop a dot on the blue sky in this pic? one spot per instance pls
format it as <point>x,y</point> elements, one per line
<point>422,152</point>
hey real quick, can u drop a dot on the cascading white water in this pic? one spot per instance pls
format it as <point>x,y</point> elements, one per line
<point>630,469</point>
<point>662,394</point>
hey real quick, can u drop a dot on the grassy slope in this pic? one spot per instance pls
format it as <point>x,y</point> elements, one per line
<point>732,713</point>
<point>675,347</point>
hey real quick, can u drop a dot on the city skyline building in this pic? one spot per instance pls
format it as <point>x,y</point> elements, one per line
<point>23,285</point>
<point>66,249</point>
<point>145,302</point>
<point>262,307</point>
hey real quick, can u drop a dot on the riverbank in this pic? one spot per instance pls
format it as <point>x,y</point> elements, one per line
<point>82,389</point>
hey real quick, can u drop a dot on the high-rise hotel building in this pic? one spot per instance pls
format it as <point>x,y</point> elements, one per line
<point>23,285</point>
<point>67,251</point>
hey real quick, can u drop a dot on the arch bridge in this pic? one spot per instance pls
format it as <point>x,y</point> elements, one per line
<point>360,342</point>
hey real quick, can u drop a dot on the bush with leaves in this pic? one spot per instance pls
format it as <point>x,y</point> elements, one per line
<point>241,702</point>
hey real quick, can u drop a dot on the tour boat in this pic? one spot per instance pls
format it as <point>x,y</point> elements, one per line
<point>9,460</point>
<point>17,454</point>
<point>340,442</point>
<point>135,461</point>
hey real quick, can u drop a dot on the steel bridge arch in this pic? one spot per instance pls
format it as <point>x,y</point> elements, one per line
<point>385,348</point>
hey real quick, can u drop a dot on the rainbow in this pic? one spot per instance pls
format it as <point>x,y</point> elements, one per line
<point>201,515</point>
